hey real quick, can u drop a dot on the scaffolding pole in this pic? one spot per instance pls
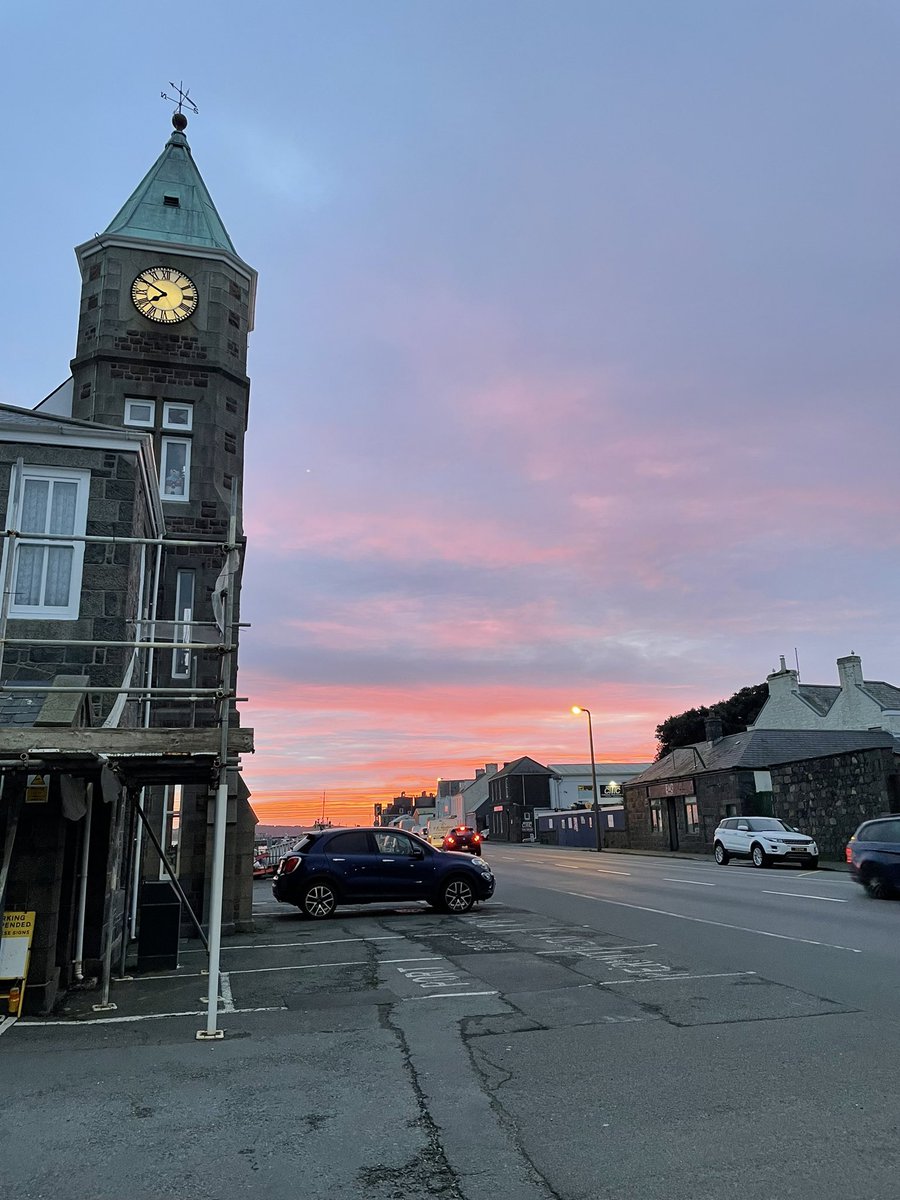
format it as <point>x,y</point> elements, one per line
<point>221,814</point>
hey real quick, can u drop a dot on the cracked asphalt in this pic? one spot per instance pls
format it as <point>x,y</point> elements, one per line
<point>614,1026</point>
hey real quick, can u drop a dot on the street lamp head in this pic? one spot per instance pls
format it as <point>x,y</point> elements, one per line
<point>578,708</point>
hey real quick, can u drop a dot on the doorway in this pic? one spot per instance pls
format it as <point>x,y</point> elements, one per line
<point>671,806</point>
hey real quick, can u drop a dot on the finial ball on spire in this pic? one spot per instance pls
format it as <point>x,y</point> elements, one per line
<point>179,120</point>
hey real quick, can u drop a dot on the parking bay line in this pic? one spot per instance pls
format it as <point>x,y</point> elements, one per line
<point>661,912</point>
<point>450,995</point>
<point>387,937</point>
<point>802,896</point>
<point>201,1012</point>
<point>669,978</point>
<point>695,882</point>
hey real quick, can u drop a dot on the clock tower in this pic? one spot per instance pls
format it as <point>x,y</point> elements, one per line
<point>167,306</point>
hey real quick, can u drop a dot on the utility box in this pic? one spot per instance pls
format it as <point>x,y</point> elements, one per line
<point>160,928</point>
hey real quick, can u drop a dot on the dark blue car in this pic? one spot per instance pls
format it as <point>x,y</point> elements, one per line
<point>362,866</point>
<point>873,854</point>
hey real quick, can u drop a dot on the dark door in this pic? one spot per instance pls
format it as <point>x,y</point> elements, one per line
<point>349,856</point>
<point>672,808</point>
<point>402,867</point>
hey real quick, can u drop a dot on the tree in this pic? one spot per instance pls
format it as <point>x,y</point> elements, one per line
<point>736,713</point>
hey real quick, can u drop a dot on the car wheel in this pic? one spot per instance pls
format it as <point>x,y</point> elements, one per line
<point>318,901</point>
<point>759,856</point>
<point>457,896</point>
<point>721,854</point>
<point>878,887</point>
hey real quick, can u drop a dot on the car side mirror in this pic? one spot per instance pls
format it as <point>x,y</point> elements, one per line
<point>417,852</point>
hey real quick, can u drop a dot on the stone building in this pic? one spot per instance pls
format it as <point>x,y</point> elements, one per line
<point>143,442</point>
<point>825,783</point>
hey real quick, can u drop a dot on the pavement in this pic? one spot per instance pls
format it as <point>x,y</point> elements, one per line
<point>624,1027</point>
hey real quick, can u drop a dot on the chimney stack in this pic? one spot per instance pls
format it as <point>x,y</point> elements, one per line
<point>850,672</point>
<point>713,728</point>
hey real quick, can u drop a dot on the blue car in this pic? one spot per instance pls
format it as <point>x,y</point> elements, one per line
<point>364,866</point>
<point>873,855</point>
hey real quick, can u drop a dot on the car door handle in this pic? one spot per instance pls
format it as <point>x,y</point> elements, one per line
<point>388,860</point>
<point>339,860</point>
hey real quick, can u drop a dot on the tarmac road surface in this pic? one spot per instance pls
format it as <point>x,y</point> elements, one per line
<point>610,1026</point>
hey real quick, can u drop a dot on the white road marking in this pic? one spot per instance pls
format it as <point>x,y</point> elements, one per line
<point>433,958</point>
<point>801,896</point>
<point>609,871</point>
<point>299,967</point>
<point>141,1017</point>
<point>695,882</point>
<point>388,937</point>
<point>661,912</point>
<point>606,949</point>
<point>669,978</point>
<point>6,1023</point>
<point>450,995</point>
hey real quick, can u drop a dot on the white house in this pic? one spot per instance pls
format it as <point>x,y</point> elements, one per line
<point>573,782</point>
<point>856,703</point>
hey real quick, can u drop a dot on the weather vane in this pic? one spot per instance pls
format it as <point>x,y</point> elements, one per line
<point>184,99</point>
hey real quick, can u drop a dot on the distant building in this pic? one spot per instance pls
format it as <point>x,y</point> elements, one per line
<point>573,783</point>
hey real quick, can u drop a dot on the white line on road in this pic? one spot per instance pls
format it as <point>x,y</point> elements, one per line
<point>449,995</point>
<point>801,896</point>
<point>141,1017</point>
<point>661,912</point>
<point>605,871</point>
<point>388,937</point>
<point>602,949</point>
<point>6,1023</point>
<point>696,882</point>
<point>669,978</point>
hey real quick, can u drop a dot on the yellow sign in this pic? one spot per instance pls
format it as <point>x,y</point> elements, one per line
<point>15,953</point>
<point>37,789</point>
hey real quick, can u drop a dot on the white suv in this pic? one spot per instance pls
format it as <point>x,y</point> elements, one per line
<point>763,840</point>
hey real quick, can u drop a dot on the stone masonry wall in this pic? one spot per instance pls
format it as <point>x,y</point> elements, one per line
<point>829,797</point>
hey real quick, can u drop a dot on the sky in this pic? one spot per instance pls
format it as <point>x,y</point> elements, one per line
<point>575,367</point>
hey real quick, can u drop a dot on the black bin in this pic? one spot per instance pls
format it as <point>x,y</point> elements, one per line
<point>160,909</point>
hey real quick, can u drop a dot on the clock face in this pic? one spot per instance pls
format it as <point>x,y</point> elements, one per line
<point>164,294</point>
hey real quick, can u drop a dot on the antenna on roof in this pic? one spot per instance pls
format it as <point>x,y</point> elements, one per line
<point>797,661</point>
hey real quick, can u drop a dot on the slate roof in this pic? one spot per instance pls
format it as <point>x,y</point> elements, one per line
<point>885,695</point>
<point>758,749</point>
<point>18,708</point>
<point>523,766</point>
<point>605,768</point>
<point>193,221</point>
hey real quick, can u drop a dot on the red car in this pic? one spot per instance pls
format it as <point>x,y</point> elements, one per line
<point>464,838</point>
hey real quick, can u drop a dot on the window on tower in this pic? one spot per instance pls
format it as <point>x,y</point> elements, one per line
<point>182,660</point>
<point>177,416</point>
<point>48,505</point>
<point>139,411</point>
<point>175,477</point>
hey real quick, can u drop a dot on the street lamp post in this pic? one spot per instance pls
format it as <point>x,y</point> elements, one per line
<point>578,708</point>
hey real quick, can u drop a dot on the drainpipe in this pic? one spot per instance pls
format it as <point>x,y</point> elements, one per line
<point>82,886</point>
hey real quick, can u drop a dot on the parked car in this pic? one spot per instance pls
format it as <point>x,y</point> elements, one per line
<point>763,840</point>
<point>463,838</point>
<point>873,854</point>
<point>362,866</point>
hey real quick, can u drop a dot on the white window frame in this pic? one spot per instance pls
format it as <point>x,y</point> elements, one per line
<point>167,496</point>
<point>168,423</point>
<point>130,420</point>
<point>43,612</point>
<point>185,587</point>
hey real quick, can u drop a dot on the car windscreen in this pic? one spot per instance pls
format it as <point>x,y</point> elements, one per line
<point>761,824</point>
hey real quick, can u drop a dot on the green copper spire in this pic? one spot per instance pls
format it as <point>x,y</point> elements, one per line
<point>171,203</point>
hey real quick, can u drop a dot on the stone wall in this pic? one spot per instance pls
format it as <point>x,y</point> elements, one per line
<point>829,797</point>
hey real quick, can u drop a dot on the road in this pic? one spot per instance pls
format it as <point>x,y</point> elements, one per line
<point>609,1027</point>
